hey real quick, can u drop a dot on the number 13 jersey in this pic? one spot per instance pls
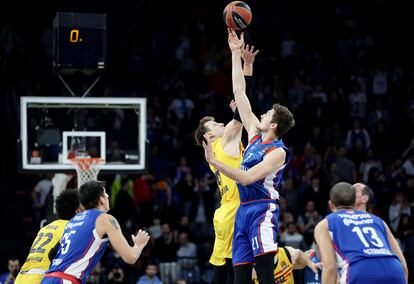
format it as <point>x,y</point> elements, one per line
<point>358,237</point>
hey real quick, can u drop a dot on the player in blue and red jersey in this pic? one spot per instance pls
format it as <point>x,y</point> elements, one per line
<point>358,244</point>
<point>266,156</point>
<point>86,237</point>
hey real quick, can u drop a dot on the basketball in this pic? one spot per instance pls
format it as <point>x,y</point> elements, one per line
<point>237,15</point>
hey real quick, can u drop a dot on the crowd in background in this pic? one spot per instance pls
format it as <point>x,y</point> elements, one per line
<point>348,81</point>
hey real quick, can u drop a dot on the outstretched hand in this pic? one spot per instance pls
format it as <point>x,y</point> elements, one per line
<point>248,53</point>
<point>233,105</point>
<point>141,238</point>
<point>208,151</point>
<point>235,43</point>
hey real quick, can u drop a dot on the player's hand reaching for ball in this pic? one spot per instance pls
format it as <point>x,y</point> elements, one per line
<point>248,54</point>
<point>141,238</point>
<point>235,43</point>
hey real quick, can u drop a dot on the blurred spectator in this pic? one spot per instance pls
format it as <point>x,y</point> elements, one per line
<point>124,208</point>
<point>379,81</point>
<point>405,235</point>
<point>370,162</point>
<point>13,265</point>
<point>202,208</point>
<point>182,105</point>
<point>378,115</point>
<point>291,195</point>
<point>155,229</point>
<point>166,251</point>
<point>187,259</point>
<point>408,165</point>
<point>292,238</point>
<point>286,47</point>
<point>39,194</point>
<point>398,207</point>
<point>345,167</point>
<point>150,276</point>
<point>357,101</point>
<point>143,198</point>
<point>357,135</point>
<point>117,186</point>
<point>316,194</point>
<point>308,221</point>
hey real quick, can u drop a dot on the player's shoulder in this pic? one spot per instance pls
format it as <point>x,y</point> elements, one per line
<point>56,225</point>
<point>322,225</point>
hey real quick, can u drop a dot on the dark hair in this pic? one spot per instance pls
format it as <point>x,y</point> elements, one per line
<point>201,130</point>
<point>342,194</point>
<point>284,119</point>
<point>90,192</point>
<point>67,203</point>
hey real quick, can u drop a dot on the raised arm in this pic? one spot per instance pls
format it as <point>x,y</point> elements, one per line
<point>233,129</point>
<point>108,225</point>
<point>272,161</point>
<point>249,120</point>
<point>397,251</point>
<point>330,270</point>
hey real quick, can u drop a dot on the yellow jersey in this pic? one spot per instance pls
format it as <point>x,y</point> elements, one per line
<point>224,216</point>
<point>227,186</point>
<point>283,268</point>
<point>37,261</point>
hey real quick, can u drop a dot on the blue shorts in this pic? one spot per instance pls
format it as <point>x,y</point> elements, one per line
<point>379,270</point>
<point>52,280</point>
<point>255,230</point>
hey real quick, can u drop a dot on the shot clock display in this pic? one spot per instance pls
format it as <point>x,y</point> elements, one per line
<point>79,41</point>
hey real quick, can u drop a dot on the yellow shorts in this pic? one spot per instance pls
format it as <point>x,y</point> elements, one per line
<point>223,227</point>
<point>28,278</point>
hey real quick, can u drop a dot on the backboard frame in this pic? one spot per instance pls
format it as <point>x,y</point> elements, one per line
<point>25,166</point>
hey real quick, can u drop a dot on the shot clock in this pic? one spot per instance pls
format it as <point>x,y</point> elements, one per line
<point>79,41</point>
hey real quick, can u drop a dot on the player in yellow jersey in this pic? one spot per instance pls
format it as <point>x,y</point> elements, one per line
<point>40,256</point>
<point>228,149</point>
<point>287,259</point>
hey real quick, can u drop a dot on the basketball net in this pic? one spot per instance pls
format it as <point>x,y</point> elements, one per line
<point>87,169</point>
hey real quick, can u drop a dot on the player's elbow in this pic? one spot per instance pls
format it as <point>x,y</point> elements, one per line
<point>237,89</point>
<point>130,258</point>
<point>246,179</point>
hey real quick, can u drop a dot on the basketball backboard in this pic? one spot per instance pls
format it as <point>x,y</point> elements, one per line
<point>55,129</point>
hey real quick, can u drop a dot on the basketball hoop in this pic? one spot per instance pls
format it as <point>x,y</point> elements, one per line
<point>87,169</point>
